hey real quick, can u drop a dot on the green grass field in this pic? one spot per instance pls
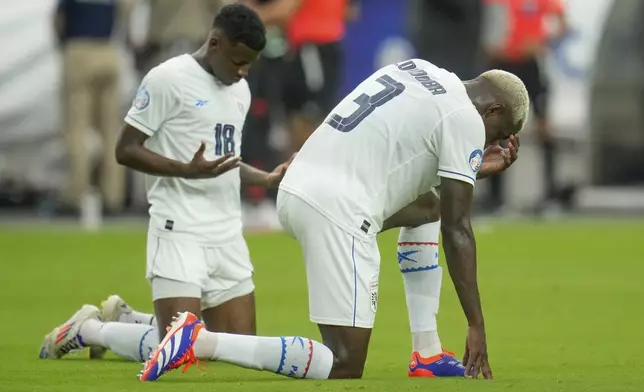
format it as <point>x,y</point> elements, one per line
<point>563,304</point>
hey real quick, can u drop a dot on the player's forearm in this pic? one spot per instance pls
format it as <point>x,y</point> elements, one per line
<point>460,252</point>
<point>251,176</point>
<point>141,159</point>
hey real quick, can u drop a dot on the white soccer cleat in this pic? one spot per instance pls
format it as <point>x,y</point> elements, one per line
<point>65,338</point>
<point>113,307</point>
<point>111,310</point>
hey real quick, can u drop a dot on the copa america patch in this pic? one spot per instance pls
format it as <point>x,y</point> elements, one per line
<point>142,99</point>
<point>476,160</point>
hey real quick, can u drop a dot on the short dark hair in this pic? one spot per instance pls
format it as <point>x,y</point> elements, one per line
<point>242,25</point>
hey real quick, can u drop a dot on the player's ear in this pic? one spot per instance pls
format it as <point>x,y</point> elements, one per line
<point>214,42</point>
<point>496,109</point>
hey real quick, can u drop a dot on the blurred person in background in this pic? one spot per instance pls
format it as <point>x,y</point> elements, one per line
<point>460,20</point>
<point>299,72</point>
<point>90,96</point>
<point>313,67</point>
<point>266,111</point>
<point>175,27</point>
<point>516,39</point>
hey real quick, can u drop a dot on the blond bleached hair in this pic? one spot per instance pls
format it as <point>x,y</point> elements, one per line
<point>513,92</point>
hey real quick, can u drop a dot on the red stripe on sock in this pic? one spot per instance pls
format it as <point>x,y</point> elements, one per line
<point>418,243</point>
<point>308,364</point>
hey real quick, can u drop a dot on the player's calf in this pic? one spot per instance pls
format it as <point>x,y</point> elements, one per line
<point>349,346</point>
<point>231,310</point>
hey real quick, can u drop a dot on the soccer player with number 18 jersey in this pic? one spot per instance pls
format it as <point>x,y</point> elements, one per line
<point>184,132</point>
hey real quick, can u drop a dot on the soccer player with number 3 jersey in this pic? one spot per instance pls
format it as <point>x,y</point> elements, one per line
<point>374,164</point>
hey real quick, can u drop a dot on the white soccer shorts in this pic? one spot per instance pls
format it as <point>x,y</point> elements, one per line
<point>341,270</point>
<point>216,274</point>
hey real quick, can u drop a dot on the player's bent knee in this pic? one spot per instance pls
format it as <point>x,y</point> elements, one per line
<point>430,206</point>
<point>172,296</point>
<point>425,209</point>
<point>344,368</point>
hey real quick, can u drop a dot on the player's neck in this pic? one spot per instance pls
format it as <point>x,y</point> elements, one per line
<point>200,57</point>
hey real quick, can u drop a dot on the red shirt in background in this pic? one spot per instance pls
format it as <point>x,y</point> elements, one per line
<point>526,23</point>
<point>318,21</point>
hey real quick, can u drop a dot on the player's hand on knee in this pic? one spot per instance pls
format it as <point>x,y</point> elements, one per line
<point>475,358</point>
<point>199,167</point>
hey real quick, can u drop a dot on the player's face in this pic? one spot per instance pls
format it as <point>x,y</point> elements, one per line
<point>497,125</point>
<point>230,62</point>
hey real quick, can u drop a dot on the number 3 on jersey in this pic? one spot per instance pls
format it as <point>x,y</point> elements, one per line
<point>367,104</point>
<point>224,139</point>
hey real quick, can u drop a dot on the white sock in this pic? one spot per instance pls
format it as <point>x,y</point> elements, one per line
<point>137,318</point>
<point>90,333</point>
<point>133,342</point>
<point>422,277</point>
<point>294,357</point>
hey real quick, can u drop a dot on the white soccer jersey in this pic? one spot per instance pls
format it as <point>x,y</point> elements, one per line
<point>386,143</point>
<point>179,105</point>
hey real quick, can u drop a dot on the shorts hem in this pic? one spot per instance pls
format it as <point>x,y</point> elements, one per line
<point>163,288</point>
<point>243,288</point>
<point>340,323</point>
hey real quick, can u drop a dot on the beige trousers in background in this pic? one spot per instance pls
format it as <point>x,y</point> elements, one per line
<point>91,101</point>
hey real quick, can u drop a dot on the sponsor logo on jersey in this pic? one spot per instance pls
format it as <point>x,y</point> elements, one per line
<point>476,160</point>
<point>142,99</point>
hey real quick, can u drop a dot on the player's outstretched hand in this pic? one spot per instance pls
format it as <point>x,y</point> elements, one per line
<point>275,177</point>
<point>199,167</point>
<point>496,158</point>
<point>475,358</point>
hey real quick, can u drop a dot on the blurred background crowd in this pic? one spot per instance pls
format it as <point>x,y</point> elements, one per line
<point>72,67</point>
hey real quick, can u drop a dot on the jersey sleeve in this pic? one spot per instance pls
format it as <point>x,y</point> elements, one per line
<point>157,100</point>
<point>462,137</point>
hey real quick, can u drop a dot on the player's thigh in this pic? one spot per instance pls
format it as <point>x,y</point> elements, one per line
<point>228,300</point>
<point>176,271</point>
<point>342,270</point>
<point>167,308</point>
<point>233,316</point>
<point>425,209</point>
